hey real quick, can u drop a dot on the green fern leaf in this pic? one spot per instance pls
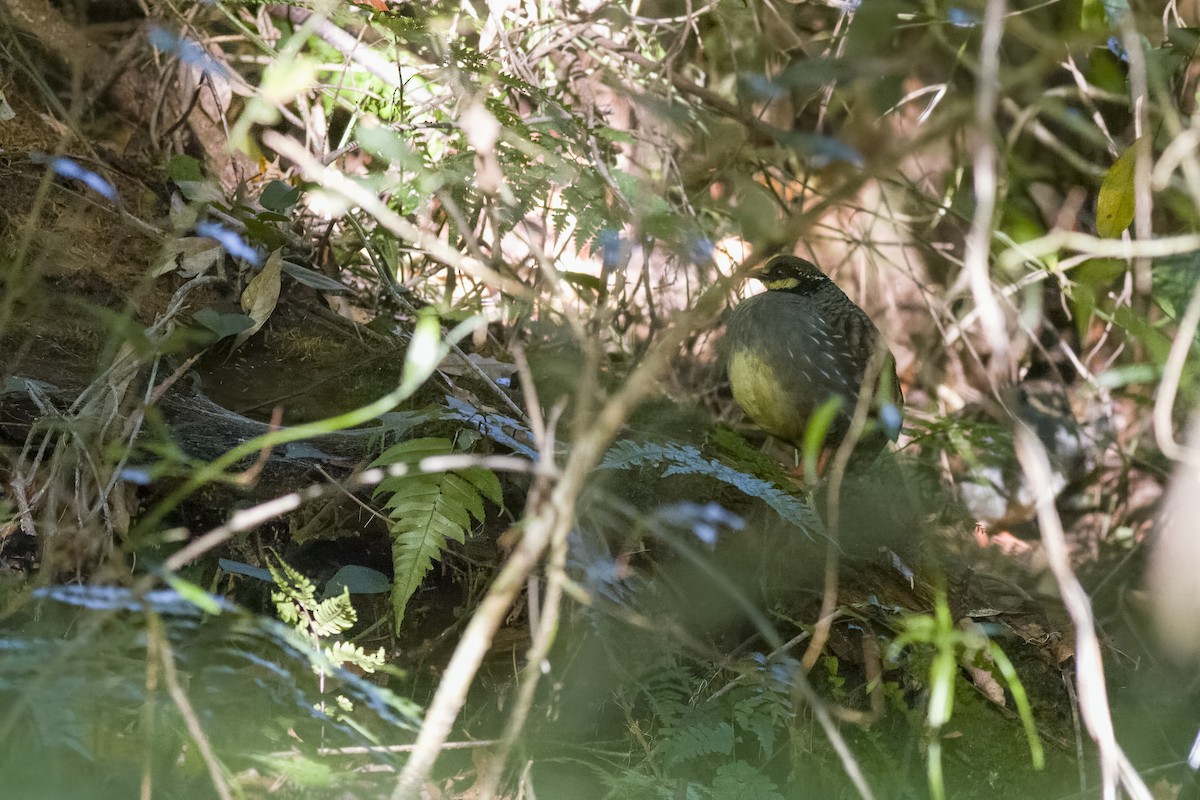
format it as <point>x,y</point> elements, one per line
<point>333,615</point>
<point>459,493</point>
<point>412,451</point>
<point>418,542</point>
<point>350,653</point>
<point>667,686</point>
<point>295,592</point>
<point>740,781</point>
<point>702,735</point>
<point>687,460</point>
<point>763,714</point>
<point>486,482</point>
<point>426,511</point>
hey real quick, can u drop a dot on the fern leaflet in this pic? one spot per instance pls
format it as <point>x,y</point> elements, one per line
<point>425,510</point>
<point>687,460</point>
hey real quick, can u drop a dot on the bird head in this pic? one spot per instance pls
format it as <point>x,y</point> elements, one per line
<point>790,274</point>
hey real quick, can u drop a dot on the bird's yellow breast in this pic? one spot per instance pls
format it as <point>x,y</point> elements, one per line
<point>760,394</point>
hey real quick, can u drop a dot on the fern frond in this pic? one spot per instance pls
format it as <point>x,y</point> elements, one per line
<point>486,482</point>
<point>702,734</point>
<point>687,460</point>
<point>350,653</point>
<point>333,615</point>
<point>295,592</point>
<point>412,451</point>
<point>666,686</point>
<point>763,714</point>
<point>740,781</point>
<point>425,511</point>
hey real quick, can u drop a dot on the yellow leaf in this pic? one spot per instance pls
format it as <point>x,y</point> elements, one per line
<point>1114,205</point>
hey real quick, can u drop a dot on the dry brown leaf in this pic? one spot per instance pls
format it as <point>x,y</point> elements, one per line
<point>261,296</point>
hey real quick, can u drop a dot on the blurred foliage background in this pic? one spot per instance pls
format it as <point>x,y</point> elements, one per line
<point>400,322</point>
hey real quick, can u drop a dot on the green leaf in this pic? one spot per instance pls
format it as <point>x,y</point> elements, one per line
<point>817,430</point>
<point>313,279</point>
<point>462,494</point>
<point>412,451</point>
<point>427,510</point>
<point>223,324</point>
<point>387,144</point>
<point>357,580</point>
<point>740,781</point>
<point>283,80</point>
<point>299,770</point>
<point>699,735</point>
<point>279,196</point>
<point>332,615</point>
<point>1091,16</point>
<point>263,232</point>
<point>1134,374</point>
<point>1114,205</point>
<point>687,460</point>
<point>193,594</point>
<point>184,168</point>
<point>762,714</point>
<point>239,568</point>
<point>613,135</point>
<point>1157,343</point>
<point>486,482</point>
<point>424,349</point>
<point>581,280</point>
<point>1089,280</point>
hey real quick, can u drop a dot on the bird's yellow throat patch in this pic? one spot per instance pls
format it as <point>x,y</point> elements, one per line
<point>779,284</point>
